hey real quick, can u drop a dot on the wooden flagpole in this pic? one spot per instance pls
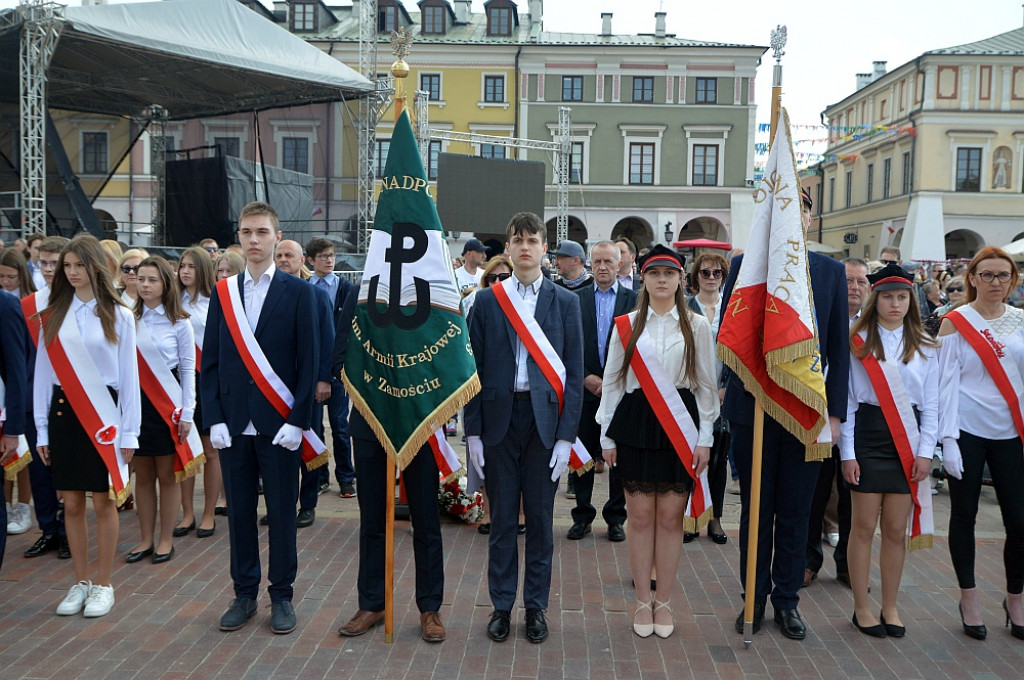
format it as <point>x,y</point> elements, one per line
<point>400,70</point>
<point>754,509</point>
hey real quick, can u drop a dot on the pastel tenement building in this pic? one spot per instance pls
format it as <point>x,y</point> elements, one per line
<point>662,126</point>
<point>947,171</point>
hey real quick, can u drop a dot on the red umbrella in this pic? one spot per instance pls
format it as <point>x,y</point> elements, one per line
<point>702,243</point>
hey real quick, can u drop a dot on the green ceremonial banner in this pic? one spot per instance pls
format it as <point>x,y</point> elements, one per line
<point>409,366</point>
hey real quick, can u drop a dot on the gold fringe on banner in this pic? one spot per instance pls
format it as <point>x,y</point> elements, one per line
<point>120,498</point>
<point>694,525</point>
<point>11,473</point>
<point>922,542</point>
<point>434,420</point>
<point>192,468</point>
<point>319,461</point>
<point>585,468</point>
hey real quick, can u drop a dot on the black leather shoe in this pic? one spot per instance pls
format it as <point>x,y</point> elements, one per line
<point>878,630</point>
<point>498,627</point>
<point>578,530</point>
<point>689,537</point>
<point>758,619</point>
<point>183,531</point>
<point>305,518</point>
<point>790,623</point>
<point>536,626</point>
<point>891,629</point>
<point>241,610</point>
<point>282,617</point>
<point>64,552</point>
<point>616,533</point>
<point>221,510</point>
<point>134,557</point>
<point>206,533</point>
<point>165,557</point>
<point>45,544</point>
<point>264,520</point>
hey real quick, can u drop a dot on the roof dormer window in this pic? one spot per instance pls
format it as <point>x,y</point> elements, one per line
<point>433,20</point>
<point>303,17</point>
<point>387,19</point>
<point>499,21</point>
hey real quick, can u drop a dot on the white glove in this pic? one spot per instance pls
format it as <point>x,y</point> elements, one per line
<point>289,436</point>
<point>220,437</point>
<point>476,453</point>
<point>559,459</point>
<point>952,461</point>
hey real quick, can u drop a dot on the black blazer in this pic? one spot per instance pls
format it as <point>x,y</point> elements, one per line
<point>14,351</point>
<point>230,395</point>
<point>828,283</point>
<point>625,301</point>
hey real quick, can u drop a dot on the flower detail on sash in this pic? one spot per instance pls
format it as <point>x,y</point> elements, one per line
<point>107,435</point>
<point>176,416</point>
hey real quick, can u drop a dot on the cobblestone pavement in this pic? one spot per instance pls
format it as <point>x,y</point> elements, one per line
<point>164,624</point>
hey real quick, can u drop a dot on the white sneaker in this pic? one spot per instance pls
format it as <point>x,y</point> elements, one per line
<point>100,602</point>
<point>75,598</point>
<point>19,519</point>
<point>832,538</point>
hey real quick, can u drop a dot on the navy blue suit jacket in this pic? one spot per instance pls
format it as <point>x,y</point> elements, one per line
<point>494,347</point>
<point>14,352</point>
<point>230,395</point>
<point>325,321</point>
<point>828,283</point>
<point>625,300</point>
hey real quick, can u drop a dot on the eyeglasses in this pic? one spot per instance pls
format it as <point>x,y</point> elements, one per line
<point>126,269</point>
<point>494,278</point>
<point>711,273</point>
<point>955,289</point>
<point>325,256</point>
<point>211,249</point>
<point>988,277</point>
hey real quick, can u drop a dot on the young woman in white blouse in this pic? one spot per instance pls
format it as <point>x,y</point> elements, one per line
<point>887,335</point>
<point>196,276</point>
<point>655,480</point>
<point>980,422</point>
<point>161,317</point>
<point>85,320</point>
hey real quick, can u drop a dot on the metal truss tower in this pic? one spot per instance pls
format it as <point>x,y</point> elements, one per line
<point>157,116</point>
<point>422,124</point>
<point>368,116</point>
<point>560,150</point>
<point>39,35</point>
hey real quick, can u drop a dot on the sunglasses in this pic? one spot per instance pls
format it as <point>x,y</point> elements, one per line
<point>125,269</point>
<point>954,289</point>
<point>494,278</point>
<point>711,273</point>
<point>211,249</point>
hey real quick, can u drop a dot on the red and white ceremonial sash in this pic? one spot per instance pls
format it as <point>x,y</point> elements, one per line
<point>1000,365</point>
<point>314,452</point>
<point>164,392</point>
<point>899,417</point>
<point>31,305</point>
<point>22,456</point>
<point>671,412</point>
<point>87,393</point>
<point>444,455</point>
<point>545,356</point>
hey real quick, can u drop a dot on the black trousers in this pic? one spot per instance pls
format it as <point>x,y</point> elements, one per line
<point>247,460</point>
<point>421,484</point>
<point>614,511</point>
<point>1006,463</point>
<point>787,486</point>
<point>831,469</point>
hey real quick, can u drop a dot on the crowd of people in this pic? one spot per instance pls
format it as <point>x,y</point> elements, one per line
<point>226,364</point>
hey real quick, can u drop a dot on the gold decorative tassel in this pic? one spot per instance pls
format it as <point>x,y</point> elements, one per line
<point>319,461</point>
<point>192,468</point>
<point>120,498</point>
<point>585,468</point>
<point>694,525</point>
<point>922,542</point>
<point>11,473</point>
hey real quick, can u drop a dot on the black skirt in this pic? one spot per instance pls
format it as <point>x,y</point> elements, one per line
<point>74,461</point>
<point>155,437</point>
<point>881,470</point>
<point>647,463</point>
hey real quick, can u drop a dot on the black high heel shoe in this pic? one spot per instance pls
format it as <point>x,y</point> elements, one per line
<point>976,632</point>
<point>1015,630</point>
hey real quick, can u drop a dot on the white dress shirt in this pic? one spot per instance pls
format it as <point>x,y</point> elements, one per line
<point>116,362</point>
<point>177,345</point>
<point>529,292</point>
<point>197,310</point>
<point>921,379</point>
<point>669,346</point>
<point>968,397</point>
<point>255,293</point>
